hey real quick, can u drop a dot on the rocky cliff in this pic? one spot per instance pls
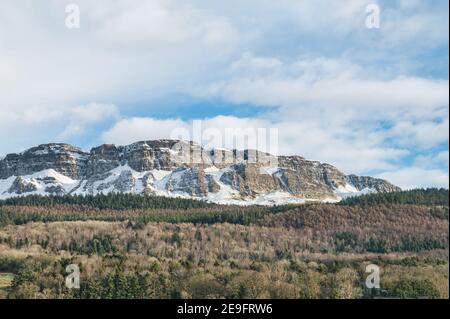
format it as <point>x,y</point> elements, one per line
<point>176,168</point>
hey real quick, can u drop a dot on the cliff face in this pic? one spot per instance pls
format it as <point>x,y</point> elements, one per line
<point>63,158</point>
<point>380,185</point>
<point>175,168</point>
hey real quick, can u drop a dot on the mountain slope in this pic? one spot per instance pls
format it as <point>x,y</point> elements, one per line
<point>181,169</point>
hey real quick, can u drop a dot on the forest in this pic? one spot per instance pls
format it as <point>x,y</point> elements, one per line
<point>430,197</point>
<point>131,246</point>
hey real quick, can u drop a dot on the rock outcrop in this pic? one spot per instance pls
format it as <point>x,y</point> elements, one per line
<point>379,185</point>
<point>65,159</point>
<point>171,167</point>
<point>21,186</point>
<point>192,181</point>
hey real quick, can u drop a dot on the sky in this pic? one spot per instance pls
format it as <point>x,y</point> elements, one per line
<point>371,101</point>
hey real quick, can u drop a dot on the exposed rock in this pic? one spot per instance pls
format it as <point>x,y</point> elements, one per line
<point>380,185</point>
<point>178,167</point>
<point>55,190</point>
<point>148,181</point>
<point>63,158</point>
<point>139,156</point>
<point>221,158</point>
<point>21,186</point>
<point>93,184</point>
<point>102,159</point>
<point>125,182</point>
<point>47,179</point>
<point>249,179</point>
<point>234,177</point>
<point>224,158</point>
<point>191,181</point>
<point>308,179</point>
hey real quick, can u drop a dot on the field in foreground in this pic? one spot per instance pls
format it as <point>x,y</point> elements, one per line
<point>183,249</point>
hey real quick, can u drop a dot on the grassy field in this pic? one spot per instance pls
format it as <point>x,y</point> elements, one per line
<point>5,282</point>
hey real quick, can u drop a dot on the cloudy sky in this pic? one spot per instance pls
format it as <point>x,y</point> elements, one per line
<point>370,101</point>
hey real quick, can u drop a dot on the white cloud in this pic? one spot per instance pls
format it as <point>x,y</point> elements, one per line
<point>249,62</point>
<point>413,26</point>
<point>353,151</point>
<point>422,135</point>
<point>340,112</point>
<point>124,51</point>
<point>354,154</point>
<point>440,160</point>
<point>152,47</point>
<point>414,177</point>
<point>132,130</point>
<point>328,110</point>
<point>337,86</point>
<point>81,116</point>
<point>29,126</point>
<point>140,24</point>
<point>330,83</point>
<point>426,171</point>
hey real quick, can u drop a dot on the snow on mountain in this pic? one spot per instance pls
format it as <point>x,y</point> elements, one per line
<point>169,168</point>
<point>44,182</point>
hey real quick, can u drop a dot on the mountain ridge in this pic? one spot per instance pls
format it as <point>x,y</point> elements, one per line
<point>179,168</point>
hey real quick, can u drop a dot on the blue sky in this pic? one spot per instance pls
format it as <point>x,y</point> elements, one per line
<point>370,101</point>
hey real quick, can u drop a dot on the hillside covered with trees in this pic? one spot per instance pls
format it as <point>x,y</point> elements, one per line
<point>428,197</point>
<point>189,249</point>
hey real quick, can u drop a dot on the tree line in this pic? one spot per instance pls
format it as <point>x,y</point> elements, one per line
<point>429,197</point>
<point>117,201</point>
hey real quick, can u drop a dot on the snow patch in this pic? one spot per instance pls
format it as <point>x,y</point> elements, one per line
<point>270,170</point>
<point>343,192</point>
<point>157,183</point>
<point>41,181</point>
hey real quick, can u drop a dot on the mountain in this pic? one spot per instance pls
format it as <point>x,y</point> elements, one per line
<point>178,168</point>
